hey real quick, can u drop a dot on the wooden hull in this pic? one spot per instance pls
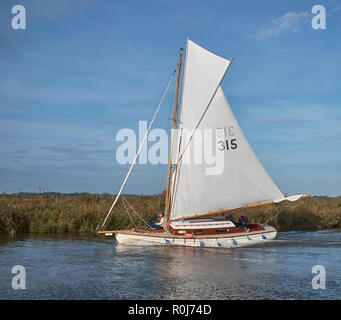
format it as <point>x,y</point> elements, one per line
<point>222,241</point>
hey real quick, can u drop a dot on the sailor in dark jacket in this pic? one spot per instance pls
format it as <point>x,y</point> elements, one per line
<point>243,221</point>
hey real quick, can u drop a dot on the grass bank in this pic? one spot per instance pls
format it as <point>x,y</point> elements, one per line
<point>82,214</point>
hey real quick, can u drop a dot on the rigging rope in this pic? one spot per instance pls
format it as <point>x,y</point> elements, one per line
<point>140,148</point>
<point>136,212</point>
<point>295,205</point>
<point>131,219</point>
<point>276,212</point>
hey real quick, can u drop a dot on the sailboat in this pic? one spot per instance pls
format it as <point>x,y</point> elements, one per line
<point>196,201</point>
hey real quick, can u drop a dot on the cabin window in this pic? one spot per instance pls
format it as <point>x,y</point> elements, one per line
<point>221,230</point>
<point>198,231</point>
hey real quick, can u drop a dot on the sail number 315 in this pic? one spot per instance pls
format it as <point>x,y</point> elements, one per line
<point>227,144</point>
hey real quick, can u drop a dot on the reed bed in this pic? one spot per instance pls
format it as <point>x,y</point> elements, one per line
<point>82,214</point>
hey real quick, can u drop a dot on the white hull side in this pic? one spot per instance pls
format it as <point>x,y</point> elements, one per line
<point>222,242</point>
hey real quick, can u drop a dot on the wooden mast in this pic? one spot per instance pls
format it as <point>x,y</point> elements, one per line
<point>175,176</point>
<point>167,200</point>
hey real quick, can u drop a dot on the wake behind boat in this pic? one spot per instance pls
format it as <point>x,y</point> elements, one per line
<point>196,193</point>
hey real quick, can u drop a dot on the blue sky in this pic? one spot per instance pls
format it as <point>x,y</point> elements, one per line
<point>84,69</point>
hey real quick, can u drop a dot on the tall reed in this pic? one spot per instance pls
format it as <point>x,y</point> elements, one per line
<point>82,214</point>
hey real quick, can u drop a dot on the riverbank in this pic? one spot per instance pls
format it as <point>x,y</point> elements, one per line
<point>81,214</point>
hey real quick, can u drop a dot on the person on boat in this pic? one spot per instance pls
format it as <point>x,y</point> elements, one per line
<point>157,224</point>
<point>160,219</point>
<point>243,221</point>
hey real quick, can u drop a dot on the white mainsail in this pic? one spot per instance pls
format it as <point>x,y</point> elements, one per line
<point>243,180</point>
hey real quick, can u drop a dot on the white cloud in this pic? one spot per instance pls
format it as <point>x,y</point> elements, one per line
<point>291,21</point>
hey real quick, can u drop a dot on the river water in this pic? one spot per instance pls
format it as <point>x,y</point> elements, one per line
<point>78,267</point>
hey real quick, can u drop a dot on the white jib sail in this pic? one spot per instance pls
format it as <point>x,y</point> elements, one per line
<point>242,180</point>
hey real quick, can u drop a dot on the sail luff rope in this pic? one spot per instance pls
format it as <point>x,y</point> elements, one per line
<point>139,151</point>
